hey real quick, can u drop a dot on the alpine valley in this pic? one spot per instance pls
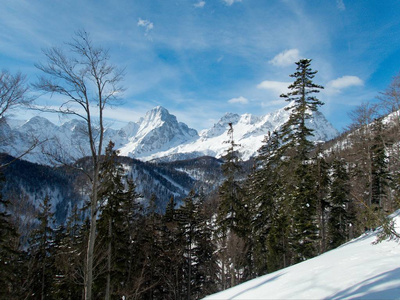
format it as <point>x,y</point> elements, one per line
<point>164,157</point>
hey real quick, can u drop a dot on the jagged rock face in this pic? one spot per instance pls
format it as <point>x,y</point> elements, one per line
<point>249,132</point>
<point>157,135</point>
<point>157,131</point>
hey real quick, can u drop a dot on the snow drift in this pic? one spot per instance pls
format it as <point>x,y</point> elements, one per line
<point>358,269</point>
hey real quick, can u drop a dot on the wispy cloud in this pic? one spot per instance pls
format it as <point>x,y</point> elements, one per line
<point>200,4</point>
<point>340,5</point>
<point>285,58</point>
<point>277,87</point>
<point>146,24</point>
<point>240,100</point>
<point>337,85</point>
<point>230,2</point>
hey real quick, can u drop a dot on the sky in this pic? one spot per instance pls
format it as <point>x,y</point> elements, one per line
<point>203,58</point>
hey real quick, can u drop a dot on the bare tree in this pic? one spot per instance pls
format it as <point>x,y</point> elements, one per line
<point>390,98</point>
<point>88,83</point>
<point>13,91</point>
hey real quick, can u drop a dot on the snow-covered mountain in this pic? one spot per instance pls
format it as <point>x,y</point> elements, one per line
<point>157,135</point>
<point>359,269</point>
<point>157,131</point>
<point>249,132</point>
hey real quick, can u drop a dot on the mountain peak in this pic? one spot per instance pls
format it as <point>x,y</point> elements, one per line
<point>159,134</point>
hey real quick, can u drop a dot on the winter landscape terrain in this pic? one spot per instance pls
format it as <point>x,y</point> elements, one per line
<point>156,135</point>
<point>359,269</point>
<point>146,151</point>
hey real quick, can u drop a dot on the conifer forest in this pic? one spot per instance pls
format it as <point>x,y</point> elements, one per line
<point>294,200</point>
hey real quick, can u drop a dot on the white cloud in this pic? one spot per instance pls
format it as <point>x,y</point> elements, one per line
<point>230,2</point>
<point>241,100</point>
<point>340,5</point>
<point>277,87</point>
<point>285,58</point>
<point>200,4</point>
<point>146,24</point>
<point>337,85</point>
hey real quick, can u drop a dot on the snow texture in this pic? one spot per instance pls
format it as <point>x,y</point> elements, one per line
<point>359,269</point>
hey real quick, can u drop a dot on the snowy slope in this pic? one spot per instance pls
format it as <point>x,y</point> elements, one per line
<point>356,270</point>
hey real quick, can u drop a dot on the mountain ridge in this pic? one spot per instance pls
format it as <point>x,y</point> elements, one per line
<point>157,135</point>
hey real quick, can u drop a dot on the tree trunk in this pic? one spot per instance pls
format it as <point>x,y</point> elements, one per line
<point>92,238</point>
<point>108,287</point>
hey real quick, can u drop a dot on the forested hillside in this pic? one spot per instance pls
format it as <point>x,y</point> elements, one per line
<point>206,224</point>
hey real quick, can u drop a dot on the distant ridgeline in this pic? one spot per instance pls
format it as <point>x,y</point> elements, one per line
<point>158,135</point>
<point>26,183</point>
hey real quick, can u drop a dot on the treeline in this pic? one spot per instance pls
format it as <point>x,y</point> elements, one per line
<point>303,199</point>
<point>299,200</point>
<point>139,253</point>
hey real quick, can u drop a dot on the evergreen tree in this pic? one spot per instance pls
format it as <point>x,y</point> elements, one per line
<point>269,222</point>
<point>70,249</point>
<point>154,251</point>
<point>295,134</point>
<point>194,235</point>
<point>114,224</point>
<point>41,256</point>
<point>172,249</point>
<point>131,254</point>
<point>379,166</point>
<point>232,219</point>
<point>297,167</point>
<point>230,211</point>
<point>10,255</point>
<point>339,217</point>
<point>322,184</point>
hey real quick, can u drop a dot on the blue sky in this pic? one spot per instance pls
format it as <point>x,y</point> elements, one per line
<point>201,59</point>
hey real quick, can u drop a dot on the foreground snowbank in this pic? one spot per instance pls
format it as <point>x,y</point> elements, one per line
<point>356,270</point>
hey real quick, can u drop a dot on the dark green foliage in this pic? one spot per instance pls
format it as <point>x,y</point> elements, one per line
<point>339,217</point>
<point>70,252</point>
<point>300,200</point>
<point>288,204</point>
<point>114,226</point>
<point>295,133</point>
<point>11,264</point>
<point>298,167</point>
<point>379,165</point>
<point>233,220</point>
<point>194,236</point>
<point>269,221</point>
<point>41,254</point>
<point>322,181</point>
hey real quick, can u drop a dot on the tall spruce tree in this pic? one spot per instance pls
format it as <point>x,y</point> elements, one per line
<point>269,222</point>
<point>232,219</point>
<point>114,225</point>
<point>295,134</point>
<point>230,211</point>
